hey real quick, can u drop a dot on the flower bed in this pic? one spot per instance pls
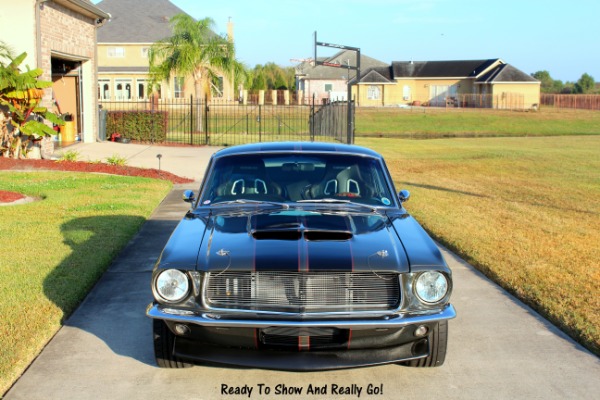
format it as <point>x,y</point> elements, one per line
<point>80,166</point>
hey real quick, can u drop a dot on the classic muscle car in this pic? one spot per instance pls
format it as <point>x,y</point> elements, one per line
<point>299,256</point>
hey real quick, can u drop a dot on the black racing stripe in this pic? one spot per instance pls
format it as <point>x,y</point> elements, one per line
<point>276,255</point>
<point>330,255</point>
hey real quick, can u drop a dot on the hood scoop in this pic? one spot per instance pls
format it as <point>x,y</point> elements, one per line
<point>277,234</point>
<point>310,235</point>
<point>322,235</point>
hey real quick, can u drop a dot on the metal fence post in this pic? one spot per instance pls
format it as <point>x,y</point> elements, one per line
<point>260,123</point>
<point>206,110</point>
<point>191,119</point>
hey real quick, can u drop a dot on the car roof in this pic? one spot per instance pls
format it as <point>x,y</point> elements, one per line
<point>296,147</point>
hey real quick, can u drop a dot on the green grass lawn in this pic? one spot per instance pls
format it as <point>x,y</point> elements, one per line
<point>525,211</point>
<point>56,248</point>
<point>439,122</point>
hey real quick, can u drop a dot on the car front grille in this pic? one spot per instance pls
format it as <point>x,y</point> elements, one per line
<point>303,292</point>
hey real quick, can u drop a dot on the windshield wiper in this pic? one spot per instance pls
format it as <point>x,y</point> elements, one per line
<point>329,200</point>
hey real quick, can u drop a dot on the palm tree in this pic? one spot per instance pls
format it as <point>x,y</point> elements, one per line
<point>6,53</point>
<point>194,50</point>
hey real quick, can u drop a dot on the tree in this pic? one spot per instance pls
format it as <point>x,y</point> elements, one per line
<point>584,85</point>
<point>21,115</point>
<point>272,76</point>
<point>194,49</point>
<point>548,85</point>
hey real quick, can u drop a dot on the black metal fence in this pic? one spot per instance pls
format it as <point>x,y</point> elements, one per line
<point>335,121</point>
<point>199,122</point>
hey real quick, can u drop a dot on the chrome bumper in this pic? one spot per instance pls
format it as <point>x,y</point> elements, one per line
<point>155,311</point>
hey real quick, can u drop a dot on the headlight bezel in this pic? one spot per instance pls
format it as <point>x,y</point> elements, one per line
<point>427,278</point>
<point>178,277</point>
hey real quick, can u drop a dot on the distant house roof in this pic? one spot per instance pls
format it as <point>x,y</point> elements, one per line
<point>440,69</point>
<point>343,57</point>
<point>506,73</point>
<point>483,71</point>
<point>137,21</point>
<point>378,75</point>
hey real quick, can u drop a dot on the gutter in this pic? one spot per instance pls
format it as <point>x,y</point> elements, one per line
<point>93,11</point>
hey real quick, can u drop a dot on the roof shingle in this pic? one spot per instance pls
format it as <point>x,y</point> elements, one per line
<point>137,21</point>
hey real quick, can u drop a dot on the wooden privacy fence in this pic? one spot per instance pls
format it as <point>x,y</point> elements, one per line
<point>573,101</point>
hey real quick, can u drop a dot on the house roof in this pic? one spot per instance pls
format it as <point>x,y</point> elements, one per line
<point>137,21</point>
<point>342,57</point>
<point>377,75</point>
<point>441,69</point>
<point>506,73</point>
<point>483,71</point>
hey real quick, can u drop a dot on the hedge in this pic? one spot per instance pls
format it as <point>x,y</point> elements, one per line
<point>142,126</point>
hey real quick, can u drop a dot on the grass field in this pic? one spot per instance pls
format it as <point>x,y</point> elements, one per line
<point>439,122</point>
<point>55,249</point>
<point>525,211</point>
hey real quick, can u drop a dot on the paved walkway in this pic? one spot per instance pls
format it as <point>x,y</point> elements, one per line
<point>185,161</point>
<point>498,347</point>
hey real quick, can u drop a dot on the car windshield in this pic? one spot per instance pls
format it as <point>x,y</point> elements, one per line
<point>297,178</point>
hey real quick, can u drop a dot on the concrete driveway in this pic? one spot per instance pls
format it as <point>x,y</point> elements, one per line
<point>498,348</point>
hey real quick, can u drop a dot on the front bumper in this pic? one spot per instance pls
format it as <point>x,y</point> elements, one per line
<point>156,311</point>
<point>242,342</point>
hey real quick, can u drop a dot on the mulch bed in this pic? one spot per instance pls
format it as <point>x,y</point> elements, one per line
<point>80,166</point>
<point>9,197</point>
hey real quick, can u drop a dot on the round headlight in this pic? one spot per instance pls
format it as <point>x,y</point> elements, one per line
<point>172,285</point>
<point>431,287</point>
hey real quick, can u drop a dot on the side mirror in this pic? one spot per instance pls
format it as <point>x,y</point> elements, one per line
<point>403,196</point>
<point>188,196</point>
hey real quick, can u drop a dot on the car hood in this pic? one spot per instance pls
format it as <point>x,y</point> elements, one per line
<point>292,240</point>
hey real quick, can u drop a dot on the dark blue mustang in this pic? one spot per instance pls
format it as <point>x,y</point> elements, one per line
<point>299,256</point>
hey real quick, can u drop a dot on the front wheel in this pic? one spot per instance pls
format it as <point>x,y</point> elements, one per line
<point>164,340</point>
<point>438,342</point>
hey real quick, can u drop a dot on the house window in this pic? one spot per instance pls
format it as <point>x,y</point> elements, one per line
<point>406,93</point>
<point>373,93</point>
<point>142,89</point>
<point>178,87</point>
<point>328,87</point>
<point>116,52</point>
<point>145,52</point>
<point>103,89</point>
<point>123,89</point>
<point>217,87</point>
<point>453,91</point>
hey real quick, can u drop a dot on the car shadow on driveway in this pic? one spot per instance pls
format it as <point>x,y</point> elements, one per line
<point>114,309</point>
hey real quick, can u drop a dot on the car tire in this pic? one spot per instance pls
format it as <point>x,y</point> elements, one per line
<point>164,340</point>
<point>438,342</point>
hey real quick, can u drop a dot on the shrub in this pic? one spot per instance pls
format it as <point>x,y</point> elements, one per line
<point>142,126</point>
<point>70,155</point>
<point>116,159</point>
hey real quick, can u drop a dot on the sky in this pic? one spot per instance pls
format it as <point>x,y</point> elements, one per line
<point>562,37</point>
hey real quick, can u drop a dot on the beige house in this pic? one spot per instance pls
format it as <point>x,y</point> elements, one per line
<point>59,37</point>
<point>464,83</point>
<point>123,45</point>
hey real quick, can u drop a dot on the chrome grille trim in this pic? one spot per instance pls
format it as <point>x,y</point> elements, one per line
<point>302,292</point>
